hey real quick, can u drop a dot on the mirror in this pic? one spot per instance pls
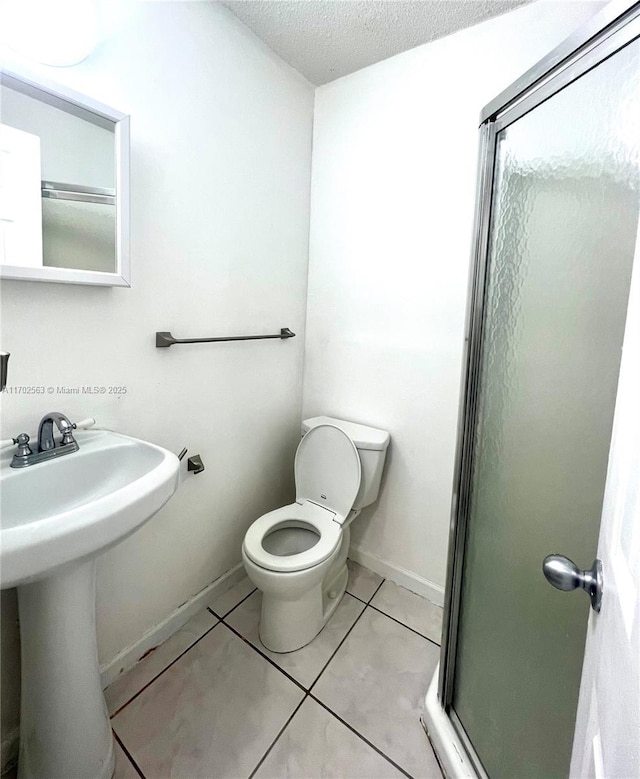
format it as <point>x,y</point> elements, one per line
<point>64,185</point>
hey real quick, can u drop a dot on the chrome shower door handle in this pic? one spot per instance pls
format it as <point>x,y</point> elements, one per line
<point>565,575</point>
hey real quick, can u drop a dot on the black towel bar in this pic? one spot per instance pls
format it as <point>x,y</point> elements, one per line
<point>166,339</point>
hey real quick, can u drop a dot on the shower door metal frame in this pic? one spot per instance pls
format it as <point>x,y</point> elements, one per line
<point>617,25</point>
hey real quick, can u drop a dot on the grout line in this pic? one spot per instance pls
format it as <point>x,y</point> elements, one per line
<point>417,632</point>
<point>307,693</point>
<point>128,754</point>
<point>376,592</point>
<point>356,597</point>
<point>282,671</point>
<point>256,649</point>
<point>265,657</point>
<point>280,732</point>
<point>166,668</point>
<point>362,600</point>
<point>226,614</point>
<point>333,654</point>
<point>366,740</point>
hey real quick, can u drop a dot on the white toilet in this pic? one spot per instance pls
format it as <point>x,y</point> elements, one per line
<point>297,554</point>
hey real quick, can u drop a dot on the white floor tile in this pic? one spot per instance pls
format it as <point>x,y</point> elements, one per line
<point>131,682</point>
<point>316,745</point>
<point>410,609</point>
<point>362,582</point>
<point>377,682</point>
<point>214,713</point>
<point>305,664</point>
<point>223,603</point>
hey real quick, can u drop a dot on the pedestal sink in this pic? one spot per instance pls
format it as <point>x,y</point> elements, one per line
<point>56,518</point>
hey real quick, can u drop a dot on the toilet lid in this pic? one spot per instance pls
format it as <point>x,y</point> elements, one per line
<point>327,470</point>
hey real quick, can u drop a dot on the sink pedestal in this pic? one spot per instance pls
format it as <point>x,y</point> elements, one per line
<point>64,724</point>
<point>57,517</point>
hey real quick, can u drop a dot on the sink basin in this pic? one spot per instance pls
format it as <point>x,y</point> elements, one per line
<point>56,517</point>
<point>76,506</point>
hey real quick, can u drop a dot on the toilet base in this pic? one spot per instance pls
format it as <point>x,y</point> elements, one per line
<point>333,593</point>
<point>288,624</point>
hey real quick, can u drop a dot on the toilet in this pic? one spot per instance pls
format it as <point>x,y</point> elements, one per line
<point>297,554</point>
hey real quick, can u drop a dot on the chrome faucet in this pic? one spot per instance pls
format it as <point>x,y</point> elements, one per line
<point>47,448</point>
<point>46,441</point>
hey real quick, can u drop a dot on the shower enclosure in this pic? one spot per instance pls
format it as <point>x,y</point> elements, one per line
<point>556,225</point>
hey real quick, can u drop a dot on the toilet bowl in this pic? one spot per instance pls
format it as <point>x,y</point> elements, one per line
<point>297,554</point>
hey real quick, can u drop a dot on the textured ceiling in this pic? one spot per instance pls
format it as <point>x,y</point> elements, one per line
<point>326,39</point>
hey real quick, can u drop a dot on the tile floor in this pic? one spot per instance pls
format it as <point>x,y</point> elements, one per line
<point>213,702</point>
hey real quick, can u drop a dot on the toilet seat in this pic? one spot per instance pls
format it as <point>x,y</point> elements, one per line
<point>315,517</point>
<point>327,473</point>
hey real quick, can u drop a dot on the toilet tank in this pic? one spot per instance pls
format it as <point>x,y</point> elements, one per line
<point>371,444</point>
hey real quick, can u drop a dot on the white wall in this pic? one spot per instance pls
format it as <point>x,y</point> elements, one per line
<point>221,146</point>
<point>393,188</point>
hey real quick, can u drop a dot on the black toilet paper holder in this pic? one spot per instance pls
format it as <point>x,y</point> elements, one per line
<point>194,463</point>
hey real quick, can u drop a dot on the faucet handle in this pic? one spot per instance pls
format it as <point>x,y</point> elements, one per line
<point>66,428</point>
<point>83,424</point>
<point>22,440</point>
<point>23,445</point>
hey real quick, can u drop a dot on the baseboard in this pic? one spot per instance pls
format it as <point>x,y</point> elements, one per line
<point>9,753</point>
<point>429,590</point>
<point>129,656</point>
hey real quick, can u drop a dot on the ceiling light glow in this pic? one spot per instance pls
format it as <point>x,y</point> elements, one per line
<point>52,32</point>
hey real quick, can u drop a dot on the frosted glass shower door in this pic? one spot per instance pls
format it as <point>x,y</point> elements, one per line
<point>565,212</point>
